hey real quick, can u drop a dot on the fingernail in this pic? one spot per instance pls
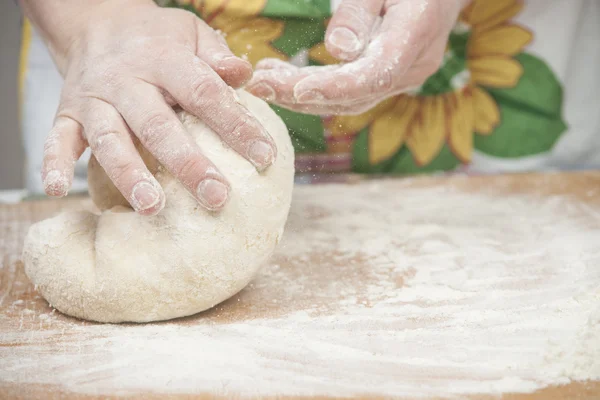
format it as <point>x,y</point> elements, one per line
<point>56,184</point>
<point>345,40</point>
<point>261,154</point>
<point>310,96</point>
<point>264,91</point>
<point>230,59</point>
<point>236,71</point>
<point>212,193</point>
<point>144,196</point>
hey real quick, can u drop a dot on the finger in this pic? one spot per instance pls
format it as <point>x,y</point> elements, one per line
<point>112,146</point>
<point>404,33</point>
<point>277,86</point>
<point>201,92</point>
<point>378,74</point>
<point>351,26</point>
<point>275,79</point>
<point>63,147</point>
<point>327,110</point>
<point>364,77</point>
<point>164,136</point>
<point>214,51</point>
<point>350,82</point>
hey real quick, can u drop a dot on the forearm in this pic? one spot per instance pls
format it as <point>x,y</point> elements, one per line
<point>60,22</point>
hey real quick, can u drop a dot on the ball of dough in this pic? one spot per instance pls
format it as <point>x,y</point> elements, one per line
<point>120,266</point>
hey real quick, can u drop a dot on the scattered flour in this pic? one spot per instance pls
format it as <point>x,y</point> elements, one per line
<point>425,292</point>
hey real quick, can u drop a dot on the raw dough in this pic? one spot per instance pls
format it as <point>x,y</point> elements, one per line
<point>120,266</point>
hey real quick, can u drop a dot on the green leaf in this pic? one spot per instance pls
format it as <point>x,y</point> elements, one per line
<point>454,63</point>
<point>401,163</point>
<point>441,82</point>
<point>521,133</point>
<point>458,43</point>
<point>530,113</point>
<point>297,9</point>
<point>404,162</point>
<point>306,131</point>
<point>538,90</point>
<point>360,156</point>
<point>300,34</point>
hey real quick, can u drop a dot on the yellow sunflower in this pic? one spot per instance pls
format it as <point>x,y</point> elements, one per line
<point>248,35</point>
<point>425,122</point>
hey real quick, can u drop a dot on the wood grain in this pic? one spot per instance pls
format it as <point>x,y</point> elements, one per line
<point>255,301</point>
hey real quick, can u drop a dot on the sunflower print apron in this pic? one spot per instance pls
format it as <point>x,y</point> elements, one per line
<point>489,95</point>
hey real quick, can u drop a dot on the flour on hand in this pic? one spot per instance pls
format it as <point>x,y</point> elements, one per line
<point>120,266</point>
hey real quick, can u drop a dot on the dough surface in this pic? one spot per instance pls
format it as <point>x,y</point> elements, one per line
<point>118,266</point>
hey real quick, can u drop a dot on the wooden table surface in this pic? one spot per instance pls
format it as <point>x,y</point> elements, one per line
<point>46,355</point>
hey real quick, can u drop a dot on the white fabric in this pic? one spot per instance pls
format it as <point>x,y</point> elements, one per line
<point>41,94</point>
<point>566,36</point>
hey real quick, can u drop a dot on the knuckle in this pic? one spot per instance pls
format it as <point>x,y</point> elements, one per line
<point>101,79</point>
<point>109,75</point>
<point>189,169</point>
<point>86,84</point>
<point>239,129</point>
<point>154,129</point>
<point>202,88</point>
<point>107,151</point>
<point>119,169</point>
<point>103,137</point>
<point>384,80</point>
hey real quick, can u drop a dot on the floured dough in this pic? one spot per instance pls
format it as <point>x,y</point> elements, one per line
<point>120,266</point>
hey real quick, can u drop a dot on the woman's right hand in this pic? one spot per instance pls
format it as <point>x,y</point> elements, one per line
<point>125,64</point>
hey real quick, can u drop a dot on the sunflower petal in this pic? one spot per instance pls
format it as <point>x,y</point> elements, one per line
<point>388,131</point>
<point>428,130</point>
<point>507,40</point>
<point>486,14</point>
<point>496,71</point>
<point>349,124</point>
<point>238,8</point>
<point>461,119</point>
<point>251,38</point>
<point>245,7</point>
<point>487,113</point>
<point>466,13</point>
<point>208,9</point>
<point>320,54</point>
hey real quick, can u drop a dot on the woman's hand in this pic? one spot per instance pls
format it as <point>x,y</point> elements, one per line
<point>388,46</point>
<point>125,63</point>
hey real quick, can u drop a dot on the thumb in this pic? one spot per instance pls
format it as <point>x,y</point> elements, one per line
<point>350,28</point>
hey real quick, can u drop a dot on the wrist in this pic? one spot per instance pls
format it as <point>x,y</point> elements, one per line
<point>61,23</point>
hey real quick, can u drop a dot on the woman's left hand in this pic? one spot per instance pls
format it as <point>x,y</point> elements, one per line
<point>387,47</point>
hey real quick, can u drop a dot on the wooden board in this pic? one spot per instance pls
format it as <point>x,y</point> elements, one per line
<point>46,355</point>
